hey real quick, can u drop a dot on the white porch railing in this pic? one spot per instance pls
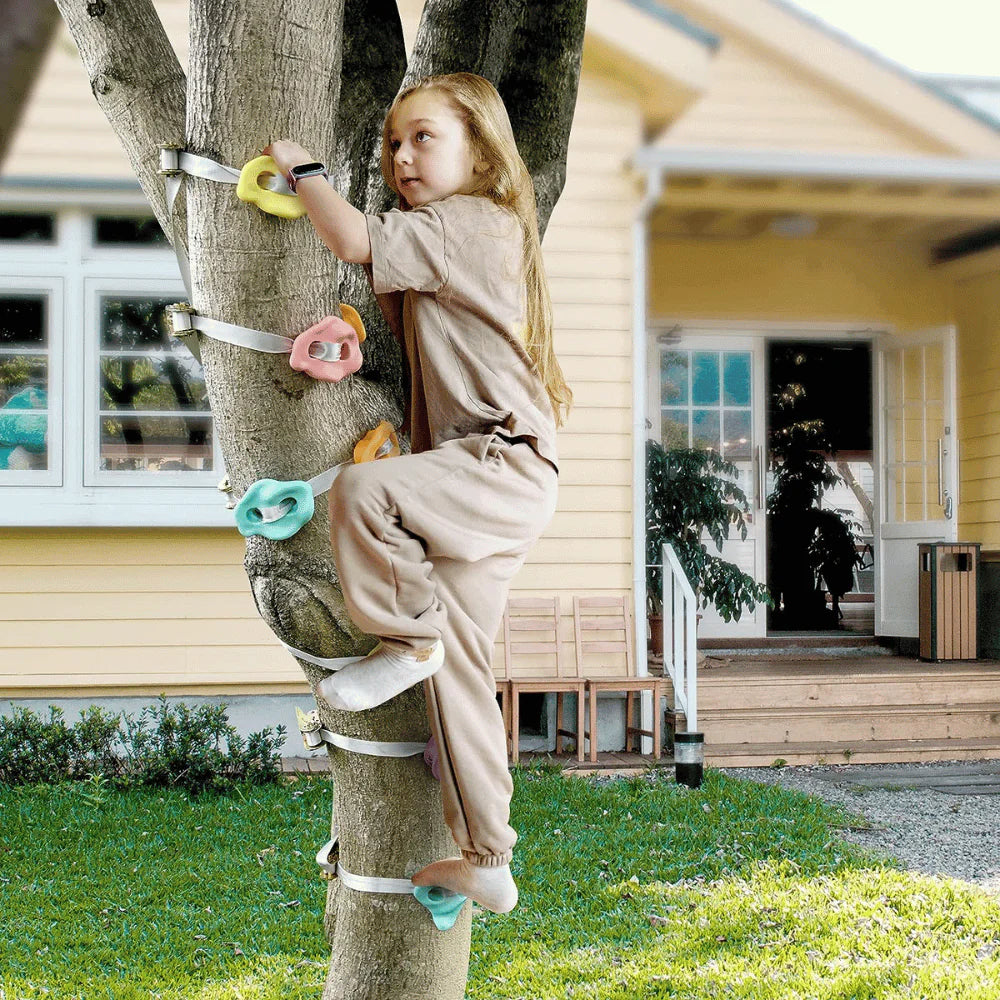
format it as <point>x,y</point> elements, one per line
<point>680,650</point>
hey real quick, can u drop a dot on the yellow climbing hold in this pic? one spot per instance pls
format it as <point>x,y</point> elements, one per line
<point>251,189</point>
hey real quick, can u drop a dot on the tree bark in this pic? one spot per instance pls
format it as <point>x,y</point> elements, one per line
<point>531,51</point>
<point>323,74</point>
<point>26,29</point>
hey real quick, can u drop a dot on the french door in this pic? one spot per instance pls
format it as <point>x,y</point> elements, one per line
<point>708,392</point>
<point>918,499</point>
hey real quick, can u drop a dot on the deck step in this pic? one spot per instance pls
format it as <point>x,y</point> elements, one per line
<point>853,752</point>
<point>846,723</point>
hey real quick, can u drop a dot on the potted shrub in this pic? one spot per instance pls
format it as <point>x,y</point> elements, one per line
<point>691,492</point>
<point>815,550</point>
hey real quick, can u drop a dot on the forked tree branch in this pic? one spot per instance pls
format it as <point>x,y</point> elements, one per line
<point>25,36</point>
<point>138,83</point>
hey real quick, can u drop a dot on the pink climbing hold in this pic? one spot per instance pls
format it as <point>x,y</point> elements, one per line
<point>316,353</point>
<point>432,758</point>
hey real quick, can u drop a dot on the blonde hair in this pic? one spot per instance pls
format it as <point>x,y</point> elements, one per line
<point>507,183</point>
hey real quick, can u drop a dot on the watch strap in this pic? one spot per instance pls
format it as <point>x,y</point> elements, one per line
<point>304,170</point>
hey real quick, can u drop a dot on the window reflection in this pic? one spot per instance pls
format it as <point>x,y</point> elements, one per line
<point>24,367</point>
<point>154,406</point>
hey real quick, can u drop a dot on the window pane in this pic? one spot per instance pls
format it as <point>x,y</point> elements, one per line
<point>736,440</point>
<point>25,228</point>
<point>156,444</point>
<point>154,410</point>
<point>736,378</point>
<point>674,378</point>
<point>674,429</point>
<point>705,429</point>
<point>705,378</point>
<point>24,415</point>
<point>134,324</point>
<point>22,321</point>
<point>128,229</point>
<point>164,382</point>
<point>24,418</point>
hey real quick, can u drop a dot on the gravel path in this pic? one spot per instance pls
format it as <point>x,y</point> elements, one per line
<point>928,830</point>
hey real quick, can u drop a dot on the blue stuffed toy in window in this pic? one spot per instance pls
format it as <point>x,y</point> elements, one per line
<point>24,422</point>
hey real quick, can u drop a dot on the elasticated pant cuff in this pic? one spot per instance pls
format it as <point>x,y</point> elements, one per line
<point>488,860</point>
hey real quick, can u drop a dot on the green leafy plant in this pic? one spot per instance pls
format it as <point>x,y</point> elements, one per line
<point>691,492</point>
<point>167,745</point>
<point>812,549</point>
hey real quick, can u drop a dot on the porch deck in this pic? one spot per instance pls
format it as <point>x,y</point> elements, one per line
<point>867,709</point>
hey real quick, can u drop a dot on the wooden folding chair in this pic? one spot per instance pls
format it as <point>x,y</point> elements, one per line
<point>602,627</point>
<point>537,620</point>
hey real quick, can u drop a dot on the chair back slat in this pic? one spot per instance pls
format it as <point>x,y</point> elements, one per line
<point>533,618</point>
<point>602,628</point>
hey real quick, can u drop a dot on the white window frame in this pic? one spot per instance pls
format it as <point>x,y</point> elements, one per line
<point>52,290</point>
<point>75,268</point>
<point>95,289</point>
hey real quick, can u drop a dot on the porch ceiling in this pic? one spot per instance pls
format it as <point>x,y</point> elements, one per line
<point>715,192</point>
<point>920,211</point>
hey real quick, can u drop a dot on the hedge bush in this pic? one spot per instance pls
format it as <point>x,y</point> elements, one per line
<point>167,745</point>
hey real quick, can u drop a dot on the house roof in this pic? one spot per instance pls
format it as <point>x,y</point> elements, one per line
<point>978,95</point>
<point>676,20</point>
<point>939,87</point>
<point>662,56</point>
<point>946,124</point>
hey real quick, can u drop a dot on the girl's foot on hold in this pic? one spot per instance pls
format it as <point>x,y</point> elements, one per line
<point>379,677</point>
<point>491,888</point>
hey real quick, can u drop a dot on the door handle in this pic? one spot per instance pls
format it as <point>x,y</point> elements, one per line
<point>760,485</point>
<point>941,491</point>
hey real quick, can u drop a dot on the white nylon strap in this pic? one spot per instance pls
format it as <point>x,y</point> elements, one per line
<point>331,663</point>
<point>321,483</point>
<point>175,164</point>
<point>365,883</point>
<point>230,333</point>
<point>373,748</point>
<point>360,883</point>
<point>323,350</point>
<point>324,852</point>
<point>270,514</point>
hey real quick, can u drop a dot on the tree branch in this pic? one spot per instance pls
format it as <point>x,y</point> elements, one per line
<point>28,28</point>
<point>374,60</point>
<point>138,83</point>
<point>530,50</point>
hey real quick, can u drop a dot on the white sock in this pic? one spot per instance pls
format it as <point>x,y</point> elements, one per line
<point>379,677</point>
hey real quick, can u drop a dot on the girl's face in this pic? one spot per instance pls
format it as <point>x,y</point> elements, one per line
<point>431,154</point>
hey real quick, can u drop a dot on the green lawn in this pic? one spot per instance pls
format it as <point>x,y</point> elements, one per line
<point>629,889</point>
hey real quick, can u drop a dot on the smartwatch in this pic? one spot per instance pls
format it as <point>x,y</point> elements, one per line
<point>303,170</point>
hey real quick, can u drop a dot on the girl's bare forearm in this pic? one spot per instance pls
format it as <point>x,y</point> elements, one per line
<point>339,224</point>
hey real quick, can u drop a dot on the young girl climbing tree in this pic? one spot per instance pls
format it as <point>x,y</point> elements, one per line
<point>426,544</point>
<point>325,73</point>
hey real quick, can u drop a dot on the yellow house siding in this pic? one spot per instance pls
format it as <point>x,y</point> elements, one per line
<point>799,281</point>
<point>755,101</point>
<point>141,611</point>
<point>977,312</point>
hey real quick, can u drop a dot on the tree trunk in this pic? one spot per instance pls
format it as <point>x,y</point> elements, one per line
<point>27,30</point>
<point>295,68</point>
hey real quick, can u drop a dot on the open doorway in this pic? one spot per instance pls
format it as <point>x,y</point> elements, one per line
<point>820,486</point>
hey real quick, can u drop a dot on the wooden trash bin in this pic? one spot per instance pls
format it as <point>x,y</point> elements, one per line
<point>949,573</point>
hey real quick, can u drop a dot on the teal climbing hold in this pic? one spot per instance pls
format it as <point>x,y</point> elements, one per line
<point>443,904</point>
<point>275,509</point>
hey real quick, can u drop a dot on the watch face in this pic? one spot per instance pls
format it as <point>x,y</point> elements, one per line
<point>305,169</point>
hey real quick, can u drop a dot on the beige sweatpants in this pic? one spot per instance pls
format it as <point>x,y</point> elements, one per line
<point>426,546</point>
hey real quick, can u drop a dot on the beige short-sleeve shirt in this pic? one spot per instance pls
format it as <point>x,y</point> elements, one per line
<point>457,263</point>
